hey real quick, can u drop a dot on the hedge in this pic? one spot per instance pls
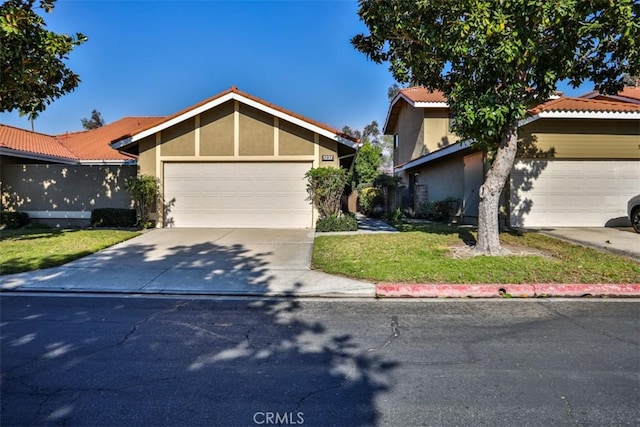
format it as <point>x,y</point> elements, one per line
<point>113,217</point>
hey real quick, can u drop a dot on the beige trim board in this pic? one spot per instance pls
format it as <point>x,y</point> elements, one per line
<point>238,159</point>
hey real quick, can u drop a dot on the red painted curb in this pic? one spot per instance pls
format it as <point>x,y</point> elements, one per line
<point>403,290</point>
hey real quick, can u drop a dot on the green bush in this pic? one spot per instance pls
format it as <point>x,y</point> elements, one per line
<point>369,198</point>
<point>337,223</point>
<point>144,190</point>
<point>325,187</point>
<point>113,217</point>
<point>14,219</point>
<point>437,211</point>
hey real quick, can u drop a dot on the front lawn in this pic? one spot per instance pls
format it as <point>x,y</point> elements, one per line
<point>434,253</point>
<point>32,249</point>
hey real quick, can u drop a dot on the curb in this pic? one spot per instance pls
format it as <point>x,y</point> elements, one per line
<point>399,290</point>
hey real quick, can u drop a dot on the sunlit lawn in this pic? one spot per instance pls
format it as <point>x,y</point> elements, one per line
<point>422,254</point>
<point>32,249</point>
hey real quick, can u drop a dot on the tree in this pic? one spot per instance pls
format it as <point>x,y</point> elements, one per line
<point>492,59</point>
<point>32,59</point>
<point>94,122</point>
<point>367,163</point>
<point>393,91</point>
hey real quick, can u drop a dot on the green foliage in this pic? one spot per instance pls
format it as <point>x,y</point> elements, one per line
<point>396,215</point>
<point>493,59</point>
<point>94,122</point>
<point>344,222</point>
<point>32,59</point>
<point>325,187</point>
<point>113,217</point>
<point>387,181</point>
<point>368,199</point>
<point>367,164</point>
<point>437,210</point>
<point>14,220</point>
<point>144,190</point>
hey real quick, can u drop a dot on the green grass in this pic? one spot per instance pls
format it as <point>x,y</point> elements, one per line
<point>33,249</point>
<point>421,254</point>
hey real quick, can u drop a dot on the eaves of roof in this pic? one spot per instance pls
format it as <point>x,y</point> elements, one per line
<point>236,95</point>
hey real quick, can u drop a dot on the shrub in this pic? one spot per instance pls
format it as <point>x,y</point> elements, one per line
<point>367,163</point>
<point>325,188</point>
<point>396,215</point>
<point>369,198</point>
<point>437,211</point>
<point>345,222</point>
<point>144,190</point>
<point>113,217</point>
<point>14,219</point>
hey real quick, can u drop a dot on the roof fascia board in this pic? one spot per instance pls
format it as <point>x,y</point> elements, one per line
<point>431,104</point>
<point>182,117</point>
<point>616,115</point>
<point>108,162</point>
<point>34,156</point>
<point>452,149</point>
<point>221,100</point>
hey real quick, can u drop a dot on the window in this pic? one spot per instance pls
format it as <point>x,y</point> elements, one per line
<point>395,141</point>
<point>452,122</point>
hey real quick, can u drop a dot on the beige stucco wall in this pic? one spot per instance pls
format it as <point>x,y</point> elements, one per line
<point>294,140</point>
<point>62,188</point>
<point>147,156</point>
<point>409,128</point>
<point>436,130</point>
<point>255,132</point>
<point>216,131</point>
<point>581,139</point>
<point>179,140</point>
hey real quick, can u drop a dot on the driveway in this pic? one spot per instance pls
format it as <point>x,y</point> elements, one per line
<point>619,240</point>
<point>198,261</point>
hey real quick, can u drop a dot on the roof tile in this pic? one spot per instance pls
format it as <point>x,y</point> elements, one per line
<point>584,104</point>
<point>422,94</point>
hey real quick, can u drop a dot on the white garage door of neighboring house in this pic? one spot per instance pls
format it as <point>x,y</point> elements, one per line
<point>242,195</point>
<point>559,193</point>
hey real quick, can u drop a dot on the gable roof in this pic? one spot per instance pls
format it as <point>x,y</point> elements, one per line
<point>84,147</point>
<point>629,94</point>
<point>234,94</point>
<point>417,97</point>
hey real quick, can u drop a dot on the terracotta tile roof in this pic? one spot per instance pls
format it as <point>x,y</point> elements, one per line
<point>422,94</point>
<point>234,90</point>
<point>632,92</point>
<point>88,145</point>
<point>584,104</point>
<point>32,142</point>
<point>95,144</point>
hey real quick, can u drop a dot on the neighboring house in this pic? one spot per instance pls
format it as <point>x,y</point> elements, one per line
<point>578,162</point>
<point>58,180</point>
<point>234,160</point>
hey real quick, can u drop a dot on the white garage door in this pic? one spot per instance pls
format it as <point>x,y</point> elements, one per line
<point>558,193</point>
<point>230,195</point>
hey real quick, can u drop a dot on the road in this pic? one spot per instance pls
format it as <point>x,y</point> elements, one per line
<point>92,361</point>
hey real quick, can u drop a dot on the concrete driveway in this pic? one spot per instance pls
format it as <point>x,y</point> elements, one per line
<point>198,261</point>
<point>620,240</point>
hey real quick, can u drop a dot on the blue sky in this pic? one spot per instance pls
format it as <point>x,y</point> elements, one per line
<point>154,58</point>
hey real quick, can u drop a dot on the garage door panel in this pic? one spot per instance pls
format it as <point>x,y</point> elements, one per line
<point>271,195</point>
<point>572,193</point>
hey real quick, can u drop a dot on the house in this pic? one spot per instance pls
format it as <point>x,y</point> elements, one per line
<point>234,160</point>
<point>578,162</point>
<point>59,179</point>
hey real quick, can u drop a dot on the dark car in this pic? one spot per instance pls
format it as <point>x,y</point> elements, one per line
<point>633,210</point>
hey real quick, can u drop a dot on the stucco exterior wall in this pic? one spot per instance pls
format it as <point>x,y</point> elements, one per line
<point>216,131</point>
<point>294,140</point>
<point>581,139</point>
<point>410,131</point>
<point>255,132</point>
<point>443,179</point>
<point>179,140</point>
<point>66,194</point>
<point>436,130</point>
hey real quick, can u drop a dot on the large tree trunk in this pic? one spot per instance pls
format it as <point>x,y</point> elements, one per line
<point>488,229</point>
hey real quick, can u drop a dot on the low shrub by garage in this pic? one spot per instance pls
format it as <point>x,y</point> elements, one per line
<point>14,220</point>
<point>113,217</point>
<point>337,223</point>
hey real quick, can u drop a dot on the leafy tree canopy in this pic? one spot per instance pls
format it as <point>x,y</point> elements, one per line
<point>32,58</point>
<point>94,122</point>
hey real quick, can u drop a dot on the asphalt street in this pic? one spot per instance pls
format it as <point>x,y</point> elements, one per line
<point>106,361</point>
